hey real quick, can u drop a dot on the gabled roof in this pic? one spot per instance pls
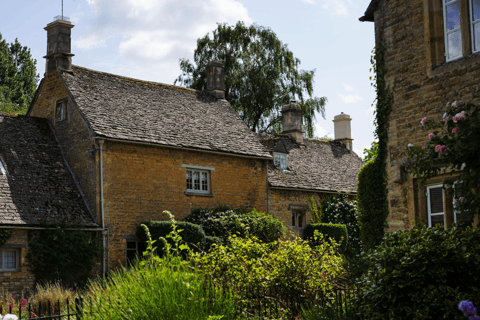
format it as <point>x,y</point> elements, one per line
<point>368,15</point>
<point>128,109</point>
<point>38,187</point>
<point>315,165</point>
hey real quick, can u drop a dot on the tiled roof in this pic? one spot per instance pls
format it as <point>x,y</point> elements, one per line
<point>38,187</point>
<point>129,109</point>
<point>315,165</point>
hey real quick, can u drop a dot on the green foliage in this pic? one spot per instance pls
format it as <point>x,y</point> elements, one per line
<point>159,288</point>
<point>371,153</point>
<point>63,255</point>
<point>459,134</point>
<point>5,234</point>
<point>223,222</point>
<point>18,77</point>
<point>261,75</point>
<point>284,269</point>
<point>372,177</point>
<point>339,209</point>
<point>337,232</point>
<point>317,212</point>
<point>422,274</point>
<point>191,233</point>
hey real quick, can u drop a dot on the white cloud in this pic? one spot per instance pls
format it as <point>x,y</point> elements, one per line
<point>320,132</point>
<point>338,7</point>
<point>155,34</point>
<point>350,98</point>
<point>310,1</point>
<point>348,88</point>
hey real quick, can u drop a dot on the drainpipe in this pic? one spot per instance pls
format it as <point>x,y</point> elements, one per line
<point>102,212</point>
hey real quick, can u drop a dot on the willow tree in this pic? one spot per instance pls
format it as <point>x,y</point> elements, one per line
<point>261,75</point>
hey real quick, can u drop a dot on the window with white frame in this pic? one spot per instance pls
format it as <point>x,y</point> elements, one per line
<point>61,110</point>
<point>280,160</point>
<point>453,33</point>
<point>198,181</point>
<point>298,219</point>
<point>435,207</point>
<point>9,259</point>
<point>475,24</point>
<point>135,250</point>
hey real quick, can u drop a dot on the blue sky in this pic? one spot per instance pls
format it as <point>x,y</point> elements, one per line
<point>145,39</point>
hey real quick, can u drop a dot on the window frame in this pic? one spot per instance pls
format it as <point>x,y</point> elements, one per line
<point>296,214</point>
<point>2,260</point>
<point>281,156</point>
<point>472,23</point>
<point>200,170</point>
<point>63,106</point>
<point>446,32</point>
<point>429,213</point>
<point>137,250</point>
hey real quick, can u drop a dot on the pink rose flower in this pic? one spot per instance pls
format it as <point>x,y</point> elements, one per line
<point>431,136</point>
<point>454,130</point>
<point>455,118</point>
<point>443,149</point>
<point>446,119</point>
<point>423,121</point>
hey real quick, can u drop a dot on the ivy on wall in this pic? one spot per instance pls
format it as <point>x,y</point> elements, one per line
<point>5,234</point>
<point>372,177</point>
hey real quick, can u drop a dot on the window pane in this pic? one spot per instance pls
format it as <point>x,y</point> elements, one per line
<point>189,180</point>
<point>453,16</point>
<point>300,220</point>
<point>437,219</point>
<point>10,259</point>
<point>476,36</point>
<point>293,219</point>
<point>196,180</point>
<point>476,9</point>
<point>454,41</point>
<point>132,245</point>
<point>204,181</point>
<point>448,1</point>
<point>436,200</point>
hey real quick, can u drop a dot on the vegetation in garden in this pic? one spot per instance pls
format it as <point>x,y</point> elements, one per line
<point>261,75</point>
<point>18,77</point>
<point>421,274</point>
<point>223,222</point>
<point>453,147</point>
<point>339,209</point>
<point>67,255</point>
<point>5,234</point>
<point>337,232</point>
<point>372,177</point>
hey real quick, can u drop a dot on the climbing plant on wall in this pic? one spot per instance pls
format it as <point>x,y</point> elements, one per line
<point>5,234</point>
<point>372,177</point>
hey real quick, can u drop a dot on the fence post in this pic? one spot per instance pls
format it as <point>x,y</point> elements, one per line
<point>79,307</point>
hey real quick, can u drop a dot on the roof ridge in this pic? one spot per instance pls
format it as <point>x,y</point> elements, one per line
<point>139,81</point>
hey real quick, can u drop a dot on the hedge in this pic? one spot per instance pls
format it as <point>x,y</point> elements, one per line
<point>329,230</point>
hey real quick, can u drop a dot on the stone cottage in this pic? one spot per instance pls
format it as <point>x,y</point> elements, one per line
<point>134,148</point>
<point>432,56</point>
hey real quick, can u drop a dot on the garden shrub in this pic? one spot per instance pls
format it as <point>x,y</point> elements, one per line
<point>191,233</point>
<point>337,232</point>
<point>283,269</point>
<point>339,209</point>
<point>422,274</point>
<point>223,222</point>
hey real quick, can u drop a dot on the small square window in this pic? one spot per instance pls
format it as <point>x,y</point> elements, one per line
<point>9,260</point>
<point>280,160</point>
<point>298,219</point>
<point>198,181</point>
<point>61,110</point>
<point>135,250</point>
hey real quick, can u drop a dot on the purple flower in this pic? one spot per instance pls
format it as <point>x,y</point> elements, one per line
<point>475,317</point>
<point>467,308</point>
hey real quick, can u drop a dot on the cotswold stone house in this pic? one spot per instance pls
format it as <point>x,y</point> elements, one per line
<point>432,55</point>
<point>130,149</point>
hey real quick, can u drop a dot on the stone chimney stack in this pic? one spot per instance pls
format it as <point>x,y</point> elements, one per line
<point>343,130</point>
<point>59,44</point>
<point>292,121</point>
<point>216,79</point>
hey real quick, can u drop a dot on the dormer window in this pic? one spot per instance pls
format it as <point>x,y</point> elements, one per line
<point>61,110</point>
<point>2,169</point>
<point>280,160</point>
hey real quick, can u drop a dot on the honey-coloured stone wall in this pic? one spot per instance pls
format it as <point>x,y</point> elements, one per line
<point>140,181</point>
<point>423,82</point>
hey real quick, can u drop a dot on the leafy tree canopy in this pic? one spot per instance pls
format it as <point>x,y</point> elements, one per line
<point>18,77</point>
<point>261,75</point>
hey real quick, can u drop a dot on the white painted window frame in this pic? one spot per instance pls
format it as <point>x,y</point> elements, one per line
<point>429,209</point>
<point>17,259</point>
<point>200,170</point>
<point>472,23</point>
<point>445,32</point>
<point>280,160</point>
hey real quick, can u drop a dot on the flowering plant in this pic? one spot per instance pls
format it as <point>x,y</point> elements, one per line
<point>452,148</point>
<point>468,310</point>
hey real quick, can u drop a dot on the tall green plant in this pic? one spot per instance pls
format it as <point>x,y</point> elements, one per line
<point>372,177</point>
<point>317,212</point>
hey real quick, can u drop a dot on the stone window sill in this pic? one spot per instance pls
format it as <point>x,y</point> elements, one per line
<point>211,195</point>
